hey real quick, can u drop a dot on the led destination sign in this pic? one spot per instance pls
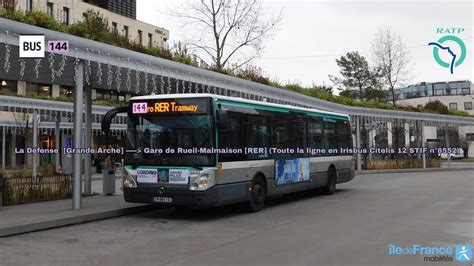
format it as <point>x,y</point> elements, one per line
<point>170,106</point>
<point>163,107</point>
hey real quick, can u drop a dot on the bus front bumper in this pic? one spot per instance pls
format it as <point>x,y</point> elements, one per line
<point>182,196</point>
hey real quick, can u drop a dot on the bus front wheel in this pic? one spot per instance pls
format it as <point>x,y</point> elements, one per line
<point>330,188</point>
<point>257,194</point>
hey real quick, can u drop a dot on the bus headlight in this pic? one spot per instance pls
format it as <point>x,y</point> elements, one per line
<point>128,180</point>
<point>203,181</point>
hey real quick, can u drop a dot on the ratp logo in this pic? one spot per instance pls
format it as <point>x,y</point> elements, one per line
<point>463,252</point>
<point>455,48</point>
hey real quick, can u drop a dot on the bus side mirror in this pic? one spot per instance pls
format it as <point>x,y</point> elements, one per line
<point>107,119</point>
<point>222,120</point>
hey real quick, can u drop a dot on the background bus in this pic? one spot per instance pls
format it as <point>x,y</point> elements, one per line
<point>210,150</point>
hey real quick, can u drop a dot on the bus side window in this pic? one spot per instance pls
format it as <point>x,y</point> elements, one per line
<point>297,131</point>
<point>231,138</point>
<point>298,140</point>
<point>258,135</point>
<point>344,134</point>
<point>315,133</point>
<point>279,134</point>
<point>330,137</point>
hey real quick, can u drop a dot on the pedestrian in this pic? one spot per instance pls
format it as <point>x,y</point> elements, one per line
<point>108,162</point>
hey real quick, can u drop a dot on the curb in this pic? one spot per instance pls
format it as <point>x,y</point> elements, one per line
<point>38,226</point>
<point>410,170</point>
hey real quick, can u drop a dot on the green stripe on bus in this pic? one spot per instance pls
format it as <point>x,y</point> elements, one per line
<point>277,109</point>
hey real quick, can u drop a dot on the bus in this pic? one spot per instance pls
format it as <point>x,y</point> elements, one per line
<point>203,150</point>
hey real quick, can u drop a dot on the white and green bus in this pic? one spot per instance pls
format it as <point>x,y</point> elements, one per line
<point>202,150</point>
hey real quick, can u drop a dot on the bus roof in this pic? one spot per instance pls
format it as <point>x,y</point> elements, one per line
<point>234,99</point>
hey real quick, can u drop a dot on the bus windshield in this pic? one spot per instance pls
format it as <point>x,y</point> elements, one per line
<point>155,135</point>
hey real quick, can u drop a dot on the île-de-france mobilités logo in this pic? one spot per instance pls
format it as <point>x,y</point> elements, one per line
<point>453,45</point>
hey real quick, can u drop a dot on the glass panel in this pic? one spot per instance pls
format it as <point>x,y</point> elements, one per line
<point>468,106</point>
<point>257,137</point>
<point>99,95</point>
<point>280,136</point>
<point>125,31</point>
<point>66,15</point>
<point>8,87</point>
<point>45,90</point>
<point>150,40</point>
<point>166,131</point>
<point>65,91</point>
<point>49,8</point>
<point>232,138</point>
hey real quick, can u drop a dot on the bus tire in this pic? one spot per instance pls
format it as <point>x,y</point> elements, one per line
<point>330,188</point>
<point>257,194</point>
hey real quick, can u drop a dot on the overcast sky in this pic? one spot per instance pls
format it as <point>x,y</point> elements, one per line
<point>313,34</point>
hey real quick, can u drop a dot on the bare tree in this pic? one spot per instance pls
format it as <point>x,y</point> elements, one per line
<point>391,56</point>
<point>227,29</point>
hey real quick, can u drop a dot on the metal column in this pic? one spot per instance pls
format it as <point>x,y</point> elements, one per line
<point>88,140</point>
<point>446,132</point>
<point>77,132</point>
<point>389,134</point>
<point>4,132</point>
<point>56,144</point>
<point>406,130</point>
<point>359,161</point>
<point>34,156</point>
<point>12,150</point>
<point>423,142</point>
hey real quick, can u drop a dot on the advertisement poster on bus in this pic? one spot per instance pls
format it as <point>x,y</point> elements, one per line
<point>291,171</point>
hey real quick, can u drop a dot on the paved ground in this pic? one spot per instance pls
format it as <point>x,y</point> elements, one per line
<point>30,217</point>
<point>352,227</point>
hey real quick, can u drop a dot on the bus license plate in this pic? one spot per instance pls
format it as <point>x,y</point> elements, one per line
<point>162,199</point>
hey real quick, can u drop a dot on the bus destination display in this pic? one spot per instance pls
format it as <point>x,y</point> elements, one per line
<point>169,106</point>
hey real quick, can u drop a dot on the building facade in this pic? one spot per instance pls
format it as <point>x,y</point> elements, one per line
<point>456,95</point>
<point>126,8</point>
<point>121,17</point>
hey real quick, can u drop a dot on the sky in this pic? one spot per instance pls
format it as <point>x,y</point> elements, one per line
<point>313,34</point>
